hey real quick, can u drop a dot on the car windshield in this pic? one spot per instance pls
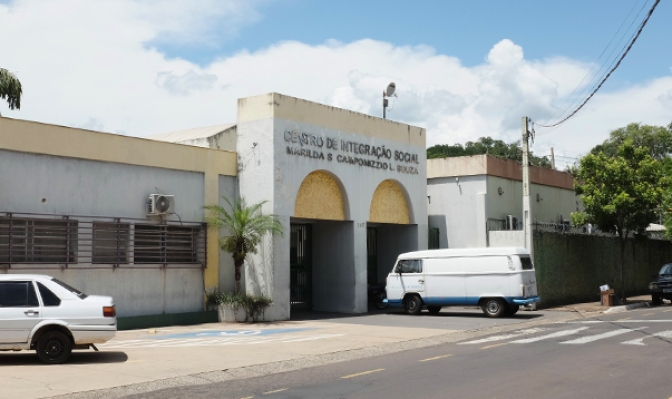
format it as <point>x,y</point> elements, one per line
<point>75,291</point>
<point>667,269</point>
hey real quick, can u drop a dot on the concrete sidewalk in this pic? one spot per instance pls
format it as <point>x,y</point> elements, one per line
<point>146,360</point>
<point>634,302</point>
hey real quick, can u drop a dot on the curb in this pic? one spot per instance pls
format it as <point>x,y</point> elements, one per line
<point>625,308</point>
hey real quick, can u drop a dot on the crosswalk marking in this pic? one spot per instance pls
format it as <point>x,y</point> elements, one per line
<point>598,337</point>
<point>550,336</point>
<point>505,336</point>
<point>640,341</point>
<point>614,321</point>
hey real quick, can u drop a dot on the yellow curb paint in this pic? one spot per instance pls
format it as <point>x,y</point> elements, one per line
<point>363,373</point>
<point>434,358</point>
<point>276,391</point>
<point>493,346</point>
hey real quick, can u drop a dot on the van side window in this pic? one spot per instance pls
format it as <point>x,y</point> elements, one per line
<point>526,262</point>
<point>409,266</point>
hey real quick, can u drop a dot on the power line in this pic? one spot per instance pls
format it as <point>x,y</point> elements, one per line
<point>632,42</point>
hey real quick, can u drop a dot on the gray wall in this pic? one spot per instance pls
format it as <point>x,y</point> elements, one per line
<point>393,240</point>
<point>333,267</point>
<point>227,281</point>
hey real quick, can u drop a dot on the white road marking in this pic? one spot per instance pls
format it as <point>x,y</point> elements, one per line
<point>550,336</point>
<point>210,341</point>
<point>505,336</point>
<point>605,335</point>
<point>640,341</point>
<point>614,321</point>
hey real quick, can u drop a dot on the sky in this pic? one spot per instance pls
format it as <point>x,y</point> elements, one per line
<point>463,69</point>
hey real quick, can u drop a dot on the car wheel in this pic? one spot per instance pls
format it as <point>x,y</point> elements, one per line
<point>413,304</point>
<point>379,300</point>
<point>656,300</point>
<point>434,309</point>
<point>54,347</point>
<point>512,309</point>
<point>494,307</point>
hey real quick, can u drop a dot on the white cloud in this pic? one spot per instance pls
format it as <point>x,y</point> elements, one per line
<point>99,58</point>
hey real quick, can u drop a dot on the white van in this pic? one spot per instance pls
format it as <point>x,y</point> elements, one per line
<point>498,280</point>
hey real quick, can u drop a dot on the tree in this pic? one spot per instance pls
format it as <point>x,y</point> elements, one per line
<point>246,226</point>
<point>485,145</point>
<point>620,194</point>
<point>657,139</point>
<point>10,89</point>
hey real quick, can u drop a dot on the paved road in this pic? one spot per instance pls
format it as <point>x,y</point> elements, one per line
<point>627,355</point>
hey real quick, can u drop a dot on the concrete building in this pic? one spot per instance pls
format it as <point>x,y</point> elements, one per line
<point>73,204</point>
<point>471,197</point>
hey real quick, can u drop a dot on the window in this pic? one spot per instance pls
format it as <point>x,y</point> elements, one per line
<point>409,266</point>
<point>526,262</point>
<point>48,297</point>
<point>165,244</point>
<point>17,294</point>
<point>110,242</point>
<point>37,241</point>
<point>75,291</point>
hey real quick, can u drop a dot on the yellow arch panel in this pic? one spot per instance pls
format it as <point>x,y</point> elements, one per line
<point>389,204</point>
<point>319,197</point>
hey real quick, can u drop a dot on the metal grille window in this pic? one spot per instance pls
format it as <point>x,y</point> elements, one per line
<point>166,244</point>
<point>110,242</point>
<point>37,241</point>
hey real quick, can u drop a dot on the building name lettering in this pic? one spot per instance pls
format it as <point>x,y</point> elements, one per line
<point>382,155</point>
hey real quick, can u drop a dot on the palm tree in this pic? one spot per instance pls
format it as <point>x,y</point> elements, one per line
<point>246,227</point>
<point>10,89</point>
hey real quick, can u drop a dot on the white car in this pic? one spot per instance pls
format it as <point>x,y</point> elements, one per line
<point>41,313</point>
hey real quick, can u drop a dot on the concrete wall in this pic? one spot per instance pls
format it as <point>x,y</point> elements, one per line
<point>268,172</point>
<point>228,187</point>
<point>506,238</point>
<point>333,266</point>
<point>392,241</point>
<point>457,209</point>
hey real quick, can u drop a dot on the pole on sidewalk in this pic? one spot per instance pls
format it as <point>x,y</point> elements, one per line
<point>527,215</point>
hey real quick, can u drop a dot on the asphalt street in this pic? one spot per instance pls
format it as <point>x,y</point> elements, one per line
<point>626,355</point>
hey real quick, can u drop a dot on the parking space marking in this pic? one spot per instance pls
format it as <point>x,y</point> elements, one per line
<point>434,358</point>
<point>275,391</point>
<point>494,346</point>
<point>504,336</point>
<point>605,335</point>
<point>550,336</point>
<point>640,341</point>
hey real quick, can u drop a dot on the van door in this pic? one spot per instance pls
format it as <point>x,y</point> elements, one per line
<point>528,276</point>
<point>406,277</point>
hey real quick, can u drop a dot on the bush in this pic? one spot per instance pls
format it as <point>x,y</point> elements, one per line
<point>254,305</point>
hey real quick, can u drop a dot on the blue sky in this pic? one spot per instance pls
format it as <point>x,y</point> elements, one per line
<point>569,28</point>
<point>463,69</point>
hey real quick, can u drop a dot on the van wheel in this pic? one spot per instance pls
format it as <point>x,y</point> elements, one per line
<point>54,347</point>
<point>494,307</point>
<point>413,304</point>
<point>434,309</point>
<point>512,309</point>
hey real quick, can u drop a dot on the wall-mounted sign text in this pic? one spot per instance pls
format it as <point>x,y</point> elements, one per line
<point>350,152</point>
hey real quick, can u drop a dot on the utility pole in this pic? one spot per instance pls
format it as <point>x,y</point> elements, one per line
<point>384,105</point>
<point>552,159</point>
<point>527,214</point>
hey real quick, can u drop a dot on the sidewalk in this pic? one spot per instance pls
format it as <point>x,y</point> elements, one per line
<point>596,307</point>
<point>139,361</point>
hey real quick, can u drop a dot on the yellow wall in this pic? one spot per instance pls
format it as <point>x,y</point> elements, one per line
<point>389,204</point>
<point>319,197</point>
<point>40,138</point>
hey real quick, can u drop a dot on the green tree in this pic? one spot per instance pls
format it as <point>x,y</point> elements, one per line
<point>620,194</point>
<point>10,89</point>
<point>657,139</point>
<point>245,226</point>
<point>486,145</point>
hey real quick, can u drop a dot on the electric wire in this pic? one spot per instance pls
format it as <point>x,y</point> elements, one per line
<point>625,53</point>
<point>569,105</point>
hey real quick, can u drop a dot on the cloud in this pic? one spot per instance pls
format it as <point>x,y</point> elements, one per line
<point>102,58</point>
<point>185,83</point>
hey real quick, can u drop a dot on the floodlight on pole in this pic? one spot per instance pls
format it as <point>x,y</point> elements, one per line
<point>389,92</point>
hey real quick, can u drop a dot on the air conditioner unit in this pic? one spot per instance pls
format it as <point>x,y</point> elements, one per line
<point>510,222</point>
<point>160,204</point>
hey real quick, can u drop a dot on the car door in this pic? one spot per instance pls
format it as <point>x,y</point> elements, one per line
<point>406,277</point>
<point>19,311</point>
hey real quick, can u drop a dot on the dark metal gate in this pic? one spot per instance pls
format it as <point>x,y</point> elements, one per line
<point>372,255</point>
<point>301,273</point>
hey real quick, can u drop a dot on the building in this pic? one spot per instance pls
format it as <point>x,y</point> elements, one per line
<point>74,204</point>
<point>476,201</point>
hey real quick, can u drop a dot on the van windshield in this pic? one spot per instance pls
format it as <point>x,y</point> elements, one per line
<point>526,262</point>
<point>409,266</point>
